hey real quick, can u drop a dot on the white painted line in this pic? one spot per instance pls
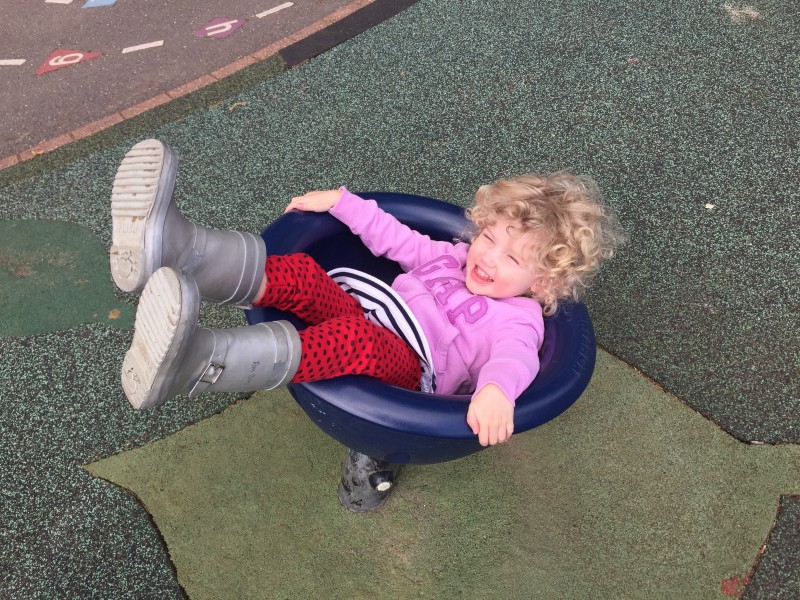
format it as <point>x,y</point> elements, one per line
<point>142,46</point>
<point>12,62</point>
<point>58,1</point>
<point>274,10</point>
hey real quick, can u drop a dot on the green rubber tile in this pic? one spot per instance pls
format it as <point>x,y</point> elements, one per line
<point>777,577</point>
<point>65,534</point>
<point>54,275</point>
<point>628,494</point>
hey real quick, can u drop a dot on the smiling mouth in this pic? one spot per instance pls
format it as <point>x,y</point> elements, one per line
<point>481,275</point>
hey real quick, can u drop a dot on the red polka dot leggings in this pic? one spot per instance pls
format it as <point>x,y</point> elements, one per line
<point>339,340</point>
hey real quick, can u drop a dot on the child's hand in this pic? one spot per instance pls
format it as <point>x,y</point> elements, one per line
<point>320,201</point>
<point>491,415</point>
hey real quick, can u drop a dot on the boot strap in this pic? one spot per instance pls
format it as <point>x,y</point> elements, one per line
<point>215,366</point>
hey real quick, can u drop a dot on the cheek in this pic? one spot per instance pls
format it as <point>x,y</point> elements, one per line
<point>523,278</point>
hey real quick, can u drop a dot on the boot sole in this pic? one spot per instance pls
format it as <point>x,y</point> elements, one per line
<point>165,320</point>
<point>140,199</point>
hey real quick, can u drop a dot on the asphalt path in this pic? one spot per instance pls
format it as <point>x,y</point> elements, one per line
<point>65,64</point>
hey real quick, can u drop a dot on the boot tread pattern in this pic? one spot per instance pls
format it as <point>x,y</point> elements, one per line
<point>132,198</point>
<point>137,179</point>
<point>157,323</point>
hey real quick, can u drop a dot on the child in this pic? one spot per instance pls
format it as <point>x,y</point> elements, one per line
<point>479,305</point>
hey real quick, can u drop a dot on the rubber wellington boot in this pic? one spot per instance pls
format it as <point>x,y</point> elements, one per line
<point>170,355</point>
<point>149,233</point>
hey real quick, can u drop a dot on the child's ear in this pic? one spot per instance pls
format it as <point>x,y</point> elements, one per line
<point>535,290</point>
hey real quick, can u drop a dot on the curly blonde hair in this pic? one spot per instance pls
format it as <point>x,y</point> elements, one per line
<point>565,214</point>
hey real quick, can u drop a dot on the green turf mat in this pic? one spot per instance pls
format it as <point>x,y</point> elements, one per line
<point>628,494</point>
<point>54,275</point>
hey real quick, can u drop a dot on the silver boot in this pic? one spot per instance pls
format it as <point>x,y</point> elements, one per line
<point>170,355</point>
<point>149,233</point>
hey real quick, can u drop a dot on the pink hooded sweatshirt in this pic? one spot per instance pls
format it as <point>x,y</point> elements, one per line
<point>474,340</point>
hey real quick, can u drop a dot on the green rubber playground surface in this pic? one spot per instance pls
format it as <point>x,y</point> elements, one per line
<point>686,113</point>
<point>603,500</point>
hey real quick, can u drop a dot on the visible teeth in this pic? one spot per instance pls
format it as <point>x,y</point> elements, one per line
<point>482,273</point>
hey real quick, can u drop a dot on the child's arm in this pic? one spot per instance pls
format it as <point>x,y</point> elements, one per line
<point>513,363</point>
<point>491,415</point>
<point>383,234</point>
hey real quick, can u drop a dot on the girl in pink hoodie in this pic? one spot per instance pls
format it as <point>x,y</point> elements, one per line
<point>474,309</point>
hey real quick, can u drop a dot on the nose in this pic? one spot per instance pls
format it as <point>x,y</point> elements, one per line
<point>490,256</point>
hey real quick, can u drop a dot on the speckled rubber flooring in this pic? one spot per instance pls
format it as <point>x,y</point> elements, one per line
<point>685,112</point>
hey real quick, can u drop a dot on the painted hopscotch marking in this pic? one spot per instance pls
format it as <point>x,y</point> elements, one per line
<point>143,46</point>
<point>64,58</point>
<point>12,62</point>
<point>274,10</point>
<point>94,3</point>
<point>219,28</point>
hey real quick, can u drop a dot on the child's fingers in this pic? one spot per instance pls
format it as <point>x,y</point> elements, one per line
<point>317,201</point>
<point>295,204</point>
<point>487,436</point>
<point>483,437</point>
<point>304,204</point>
<point>491,429</point>
<point>504,434</point>
<point>472,421</point>
<point>498,433</point>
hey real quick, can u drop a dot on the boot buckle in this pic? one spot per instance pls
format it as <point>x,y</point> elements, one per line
<point>212,373</point>
<point>208,378</point>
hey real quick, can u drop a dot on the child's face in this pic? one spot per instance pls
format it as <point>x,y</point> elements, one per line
<point>497,264</point>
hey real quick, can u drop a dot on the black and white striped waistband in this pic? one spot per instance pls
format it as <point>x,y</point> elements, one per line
<point>383,306</point>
